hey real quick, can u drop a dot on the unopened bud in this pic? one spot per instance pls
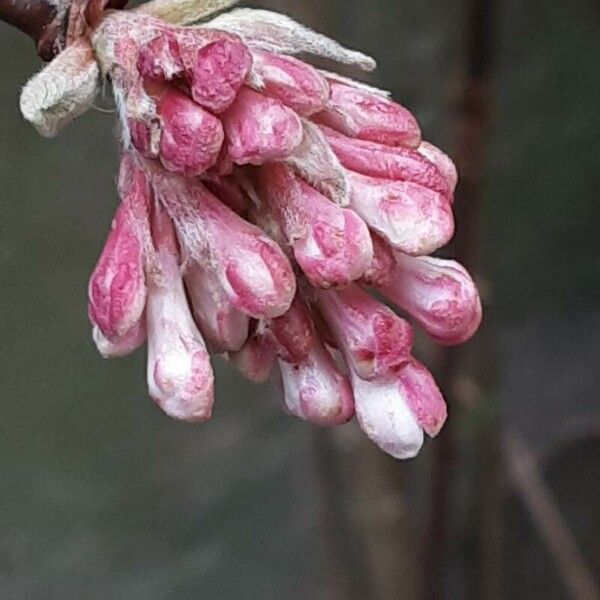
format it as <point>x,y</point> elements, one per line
<point>366,116</point>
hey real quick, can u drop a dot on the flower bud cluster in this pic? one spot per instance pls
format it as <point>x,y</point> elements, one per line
<point>263,201</point>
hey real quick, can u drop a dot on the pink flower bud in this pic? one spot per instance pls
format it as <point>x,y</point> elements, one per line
<point>118,347</point>
<point>360,114</point>
<point>252,268</point>
<point>383,414</point>
<point>260,129</point>
<point>293,334</point>
<point>180,377</point>
<point>412,218</point>
<point>315,390</point>
<point>331,244</point>
<point>372,337</point>
<point>159,59</point>
<point>382,266</point>
<point>117,288</point>
<point>223,326</point>
<point>191,138</point>
<point>291,81</point>
<point>437,293</point>
<point>442,161</point>
<point>423,397</point>
<point>219,72</point>
<point>376,160</point>
<point>254,360</point>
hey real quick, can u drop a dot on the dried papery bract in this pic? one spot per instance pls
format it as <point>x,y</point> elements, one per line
<point>437,293</point>
<point>180,377</point>
<point>274,32</point>
<point>63,90</point>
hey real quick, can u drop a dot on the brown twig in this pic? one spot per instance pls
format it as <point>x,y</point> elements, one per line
<point>46,22</point>
<point>537,497</point>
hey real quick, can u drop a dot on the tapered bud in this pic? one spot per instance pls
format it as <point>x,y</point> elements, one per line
<point>331,244</point>
<point>412,218</point>
<point>291,81</point>
<point>251,267</point>
<point>381,269</point>
<point>118,347</point>
<point>437,293</point>
<point>191,138</point>
<point>315,390</point>
<point>442,161</point>
<point>222,325</point>
<point>260,129</point>
<point>180,377</point>
<point>383,414</point>
<point>423,397</point>
<point>117,288</point>
<point>293,334</point>
<point>372,337</point>
<point>377,160</point>
<point>254,360</point>
<point>360,114</point>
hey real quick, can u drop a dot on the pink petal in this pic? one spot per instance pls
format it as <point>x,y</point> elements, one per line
<point>191,138</point>
<point>373,339</point>
<point>222,325</point>
<point>380,271</point>
<point>383,414</point>
<point>260,129</point>
<point>315,390</point>
<point>254,360</point>
<point>117,288</point>
<point>359,114</point>
<point>331,244</point>
<point>180,377</point>
<point>118,347</point>
<point>423,397</point>
<point>293,334</point>
<point>376,160</point>
<point>291,81</point>
<point>220,70</point>
<point>160,59</point>
<point>442,161</point>
<point>437,293</point>
<point>412,218</point>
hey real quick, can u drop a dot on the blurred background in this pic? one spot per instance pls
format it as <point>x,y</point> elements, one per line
<point>102,497</point>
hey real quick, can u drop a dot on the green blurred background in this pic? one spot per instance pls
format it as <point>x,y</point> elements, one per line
<point>102,497</point>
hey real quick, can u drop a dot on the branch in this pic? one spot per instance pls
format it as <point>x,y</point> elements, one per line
<point>46,22</point>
